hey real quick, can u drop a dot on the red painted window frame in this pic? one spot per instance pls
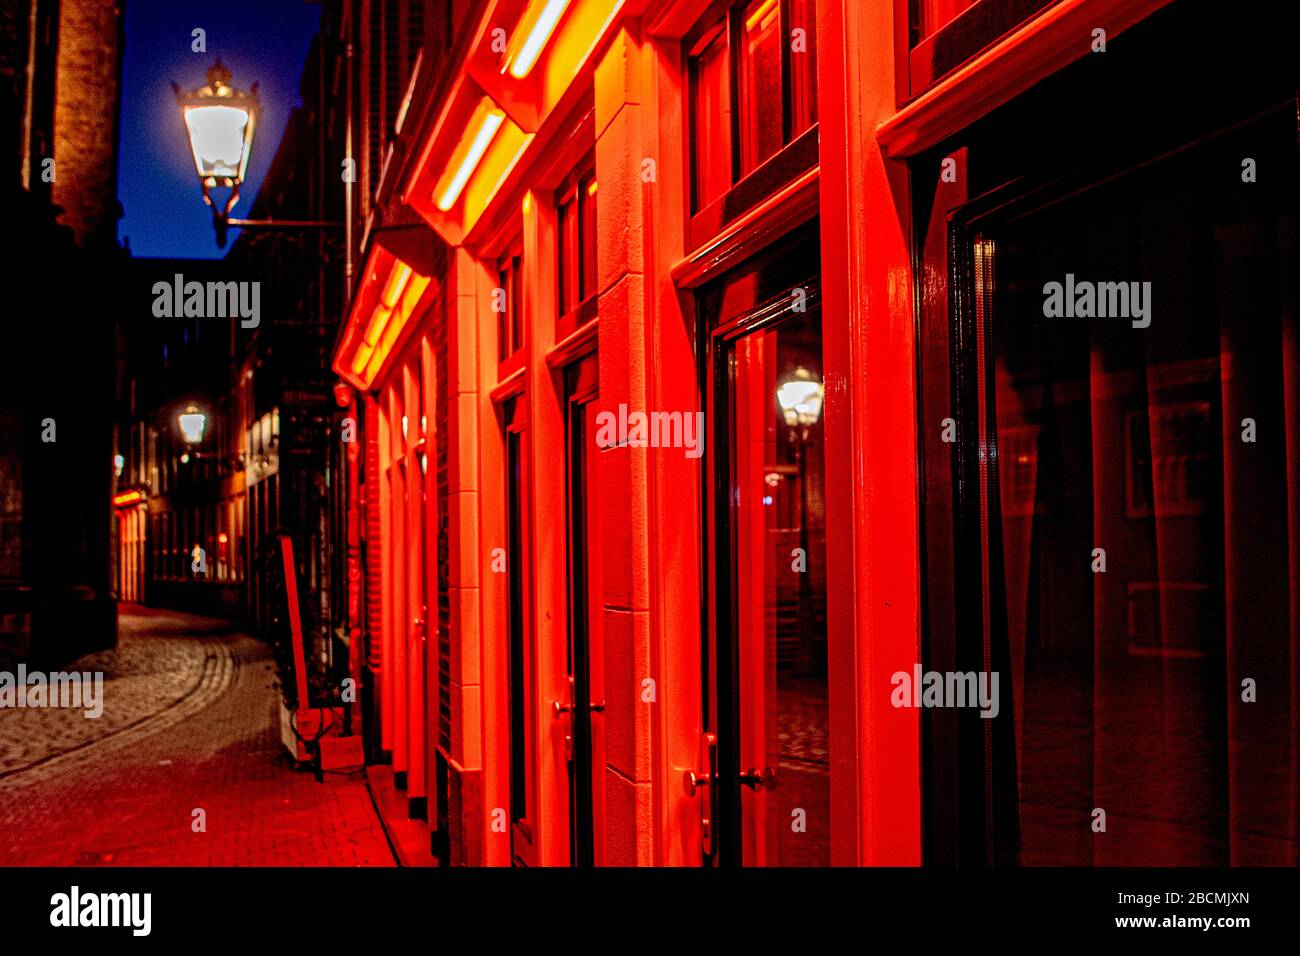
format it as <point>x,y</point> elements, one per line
<point>798,154</point>
<point>576,197</point>
<point>512,332</point>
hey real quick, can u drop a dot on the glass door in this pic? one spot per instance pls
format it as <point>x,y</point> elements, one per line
<point>414,471</point>
<point>767,715</point>
<point>522,690</point>
<point>585,652</point>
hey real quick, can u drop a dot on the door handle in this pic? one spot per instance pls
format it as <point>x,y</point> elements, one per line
<point>703,779</point>
<point>557,708</point>
<point>693,781</point>
<point>758,779</point>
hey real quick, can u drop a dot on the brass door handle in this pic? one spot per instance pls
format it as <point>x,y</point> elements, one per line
<point>693,781</point>
<point>557,709</point>
<point>704,779</point>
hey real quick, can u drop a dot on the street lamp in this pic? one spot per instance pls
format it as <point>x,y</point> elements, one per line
<point>220,121</point>
<point>800,399</point>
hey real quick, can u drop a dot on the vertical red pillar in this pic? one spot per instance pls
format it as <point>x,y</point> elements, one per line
<point>870,415</point>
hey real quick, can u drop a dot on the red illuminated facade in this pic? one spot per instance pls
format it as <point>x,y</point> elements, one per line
<point>700,384</point>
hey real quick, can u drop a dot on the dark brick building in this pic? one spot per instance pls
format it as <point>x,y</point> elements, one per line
<point>57,186</point>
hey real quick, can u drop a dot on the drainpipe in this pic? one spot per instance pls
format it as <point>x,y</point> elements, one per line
<point>350,182</point>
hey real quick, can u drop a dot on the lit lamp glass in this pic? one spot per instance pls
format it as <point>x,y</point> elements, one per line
<point>192,423</point>
<point>800,399</point>
<point>220,121</point>
<point>219,137</point>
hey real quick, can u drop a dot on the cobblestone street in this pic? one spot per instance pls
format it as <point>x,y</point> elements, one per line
<point>190,722</point>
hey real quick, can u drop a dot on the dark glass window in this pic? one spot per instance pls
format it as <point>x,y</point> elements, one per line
<point>1125,553</point>
<point>587,237</point>
<point>576,215</point>
<point>758,76</point>
<point>520,662</point>
<point>760,55</point>
<point>803,65</point>
<point>510,324</point>
<point>711,112</point>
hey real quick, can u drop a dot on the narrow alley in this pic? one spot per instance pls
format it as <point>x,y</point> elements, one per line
<point>189,723</point>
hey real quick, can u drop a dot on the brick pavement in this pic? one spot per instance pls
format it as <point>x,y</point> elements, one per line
<point>125,794</point>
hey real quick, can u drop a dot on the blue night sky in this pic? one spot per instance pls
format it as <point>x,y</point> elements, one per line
<point>262,41</point>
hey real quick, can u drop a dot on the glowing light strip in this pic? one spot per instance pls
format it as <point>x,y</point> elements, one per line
<point>127,498</point>
<point>759,14</point>
<point>359,363</point>
<point>371,354</point>
<point>397,280</point>
<point>378,319</point>
<point>491,123</point>
<point>537,39</point>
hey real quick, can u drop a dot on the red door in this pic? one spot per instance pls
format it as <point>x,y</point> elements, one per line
<point>584,711</point>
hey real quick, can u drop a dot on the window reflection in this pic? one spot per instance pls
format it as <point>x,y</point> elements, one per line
<point>710,77</point>
<point>1126,682</point>
<point>803,65</point>
<point>759,83</point>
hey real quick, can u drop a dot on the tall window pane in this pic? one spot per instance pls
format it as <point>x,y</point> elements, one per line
<point>759,86</point>
<point>587,239</point>
<point>803,65</point>
<point>568,251</point>
<point>711,162</point>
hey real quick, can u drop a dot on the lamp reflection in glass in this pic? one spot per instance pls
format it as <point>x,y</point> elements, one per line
<point>192,423</point>
<point>800,399</point>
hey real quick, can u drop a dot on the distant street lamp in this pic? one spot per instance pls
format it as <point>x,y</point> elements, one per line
<point>800,399</point>
<point>192,423</point>
<point>220,121</point>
